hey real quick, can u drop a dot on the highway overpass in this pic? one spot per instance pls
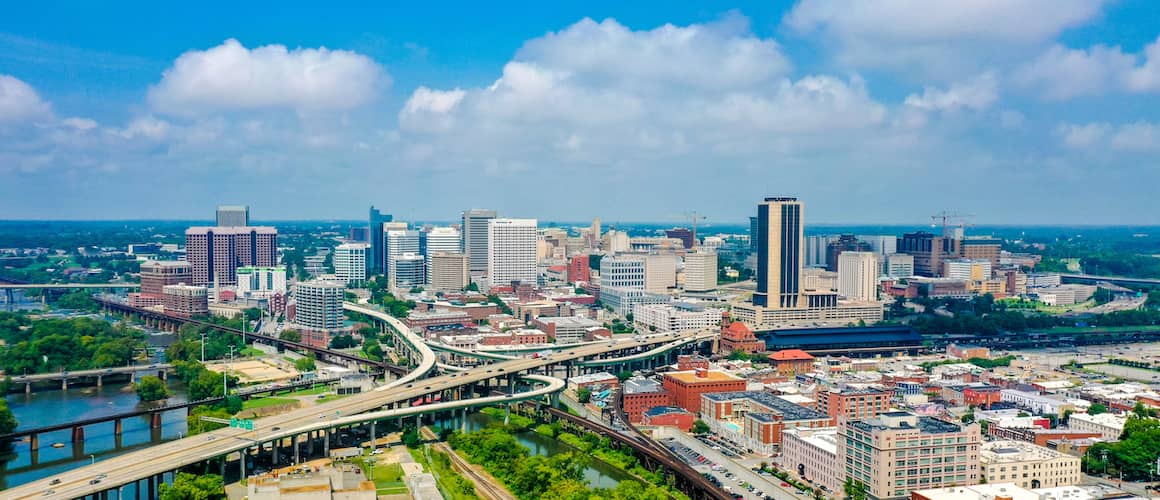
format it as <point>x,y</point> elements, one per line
<point>157,460</point>
<point>1091,279</point>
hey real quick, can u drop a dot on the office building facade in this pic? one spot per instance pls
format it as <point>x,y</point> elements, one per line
<point>319,304</point>
<point>622,272</point>
<point>898,265</point>
<point>155,274</point>
<point>779,253</point>
<point>511,251</point>
<point>408,270</point>
<point>375,235</point>
<point>233,216</point>
<point>474,229</point>
<point>215,253</point>
<point>700,272</point>
<point>186,301</point>
<point>351,263</point>
<point>398,241</point>
<point>858,276</point>
<point>448,272</point>
<point>261,282</point>
<point>438,240</point>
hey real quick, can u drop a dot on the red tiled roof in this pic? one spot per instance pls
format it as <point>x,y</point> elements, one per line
<point>790,355</point>
<point>738,327</point>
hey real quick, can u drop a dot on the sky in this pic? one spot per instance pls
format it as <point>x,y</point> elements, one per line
<point>870,111</point>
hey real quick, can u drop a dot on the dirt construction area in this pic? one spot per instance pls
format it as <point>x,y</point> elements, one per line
<point>255,371</point>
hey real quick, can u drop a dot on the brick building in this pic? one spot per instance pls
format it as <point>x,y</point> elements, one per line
<point>578,269</point>
<point>687,387</point>
<point>736,336</point>
<point>854,404</point>
<point>790,362</point>
<point>640,395</point>
<point>669,416</point>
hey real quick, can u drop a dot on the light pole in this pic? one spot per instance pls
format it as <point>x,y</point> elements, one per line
<point>225,387</point>
<point>203,348</point>
<point>93,458</point>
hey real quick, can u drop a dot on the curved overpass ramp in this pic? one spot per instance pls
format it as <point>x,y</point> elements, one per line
<point>416,342</point>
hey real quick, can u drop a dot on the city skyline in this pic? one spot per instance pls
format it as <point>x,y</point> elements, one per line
<point>1021,112</point>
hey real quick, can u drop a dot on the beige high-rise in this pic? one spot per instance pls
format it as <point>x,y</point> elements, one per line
<point>780,250</point>
<point>449,271</point>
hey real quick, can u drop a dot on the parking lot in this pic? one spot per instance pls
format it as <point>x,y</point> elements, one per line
<point>730,475</point>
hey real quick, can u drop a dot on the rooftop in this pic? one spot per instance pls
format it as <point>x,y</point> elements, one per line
<point>979,492</point>
<point>692,376</point>
<point>926,425</point>
<point>573,321</point>
<point>770,403</point>
<point>642,386</point>
<point>657,411</point>
<point>791,355</point>
<point>1005,451</point>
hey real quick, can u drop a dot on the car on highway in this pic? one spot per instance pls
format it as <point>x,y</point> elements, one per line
<point>49,493</point>
<point>95,481</point>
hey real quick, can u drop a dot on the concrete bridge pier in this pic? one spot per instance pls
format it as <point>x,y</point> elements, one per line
<point>117,427</point>
<point>152,488</point>
<point>155,420</point>
<point>28,387</point>
<point>78,434</point>
<point>64,384</point>
<point>294,440</point>
<point>34,442</point>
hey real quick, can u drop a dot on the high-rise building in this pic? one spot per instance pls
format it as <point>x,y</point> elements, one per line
<point>683,234</point>
<point>982,248</point>
<point>351,262</point>
<point>261,282</point>
<point>779,253</point>
<point>186,301</point>
<point>660,272</point>
<point>409,270</point>
<point>700,271</point>
<point>816,247</point>
<point>882,244</point>
<point>319,304</point>
<point>578,269</point>
<point>233,216</point>
<point>844,243</point>
<point>511,251</point>
<point>622,272</point>
<point>752,234</point>
<point>858,276</point>
<point>155,274</point>
<point>438,240</point>
<point>398,241</point>
<point>967,269</point>
<point>448,271</point>
<point>215,253</point>
<point>375,236</point>
<point>884,453</point>
<point>929,251</point>
<point>899,265</point>
<point>474,228</point>
<point>594,233</point>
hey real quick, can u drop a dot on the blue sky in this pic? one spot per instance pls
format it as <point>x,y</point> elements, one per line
<point>872,111</point>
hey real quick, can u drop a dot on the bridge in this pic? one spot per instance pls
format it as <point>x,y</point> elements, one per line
<point>387,402</point>
<point>99,374</point>
<point>78,427</point>
<point>331,355</point>
<point>1091,279</point>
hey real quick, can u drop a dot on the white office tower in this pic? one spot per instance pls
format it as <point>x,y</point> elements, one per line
<point>409,270</point>
<point>439,240</point>
<point>898,265</point>
<point>622,272</point>
<point>261,282</point>
<point>319,304</point>
<point>447,271</point>
<point>615,242</point>
<point>233,216</point>
<point>351,261</point>
<point>660,272</point>
<point>511,251</point>
<point>474,245</point>
<point>700,271</point>
<point>397,243</point>
<point>816,249</point>
<point>858,276</point>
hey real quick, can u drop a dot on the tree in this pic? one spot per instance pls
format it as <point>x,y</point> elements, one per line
<point>1066,416</point>
<point>306,364</point>
<point>1097,408</point>
<point>151,388</point>
<point>291,335</point>
<point>411,438</point>
<point>624,375</point>
<point>584,395</point>
<point>193,487</point>
<point>700,427</point>
<point>342,342</point>
<point>195,425</point>
<point>854,489</point>
<point>252,314</point>
<point>739,355</point>
<point>7,418</point>
<point>471,287</point>
<point>580,291</point>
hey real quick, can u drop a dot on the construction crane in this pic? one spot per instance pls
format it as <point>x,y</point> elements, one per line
<point>949,219</point>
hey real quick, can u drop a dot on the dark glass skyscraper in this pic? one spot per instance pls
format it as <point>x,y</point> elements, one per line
<point>375,237</point>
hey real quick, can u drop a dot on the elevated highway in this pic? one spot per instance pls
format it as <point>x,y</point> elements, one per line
<point>376,405</point>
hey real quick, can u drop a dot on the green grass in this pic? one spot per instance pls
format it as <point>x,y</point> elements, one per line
<point>253,404</point>
<point>250,352</point>
<point>321,389</point>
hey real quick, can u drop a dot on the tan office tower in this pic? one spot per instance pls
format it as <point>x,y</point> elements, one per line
<point>448,271</point>
<point>700,272</point>
<point>780,247</point>
<point>858,276</point>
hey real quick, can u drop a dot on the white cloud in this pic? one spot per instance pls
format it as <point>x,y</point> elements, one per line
<point>147,127</point>
<point>1102,137</point>
<point>1061,73</point>
<point>975,94</point>
<point>78,123</point>
<point>20,102</point>
<point>1146,78</point>
<point>232,77</point>
<point>1083,136</point>
<point>944,37</point>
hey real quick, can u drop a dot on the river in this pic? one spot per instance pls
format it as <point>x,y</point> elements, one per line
<point>38,409</point>
<point>597,473</point>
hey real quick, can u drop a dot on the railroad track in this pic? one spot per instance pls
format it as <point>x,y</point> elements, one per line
<point>484,485</point>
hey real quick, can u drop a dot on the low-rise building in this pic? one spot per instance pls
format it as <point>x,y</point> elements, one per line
<point>1108,425</point>
<point>1036,403</point>
<point>884,453</point>
<point>421,321</point>
<point>754,420</point>
<point>185,301</point>
<point>853,403</point>
<point>1027,465</point>
<point>813,454</point>
<point>676,317</point>
<point>790,362</point>
<point>687,387</point>
<point>737,336</point>
<point>669,416</point>
<point>568,329</point>
<point>640,395</point>
<point>594,379</point>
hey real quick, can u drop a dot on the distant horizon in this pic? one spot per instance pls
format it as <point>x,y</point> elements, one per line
<point>582,223</point>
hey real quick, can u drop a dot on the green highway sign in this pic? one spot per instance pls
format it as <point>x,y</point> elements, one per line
<point>242,423</point>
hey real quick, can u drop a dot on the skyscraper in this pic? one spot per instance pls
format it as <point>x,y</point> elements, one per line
<point>350,263</point>
<point>858,276</point>
<point>375,238</point>
<point>319,304</point>
<point>447,271</point>
<point>474,229</point>
<point>233,215</point>
<point>700,271</point>
<point>779,253</point>
<point>397,243</point>
<point>215,253</point>
<point>438,240</point>
<point>511,251</point>
<point>752,234</point>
